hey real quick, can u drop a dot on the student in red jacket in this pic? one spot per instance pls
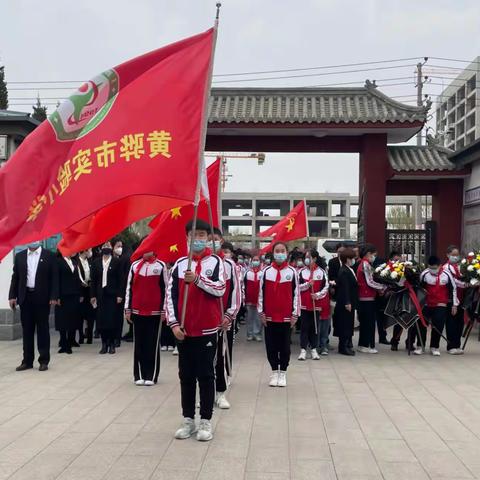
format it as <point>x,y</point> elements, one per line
<point>279,308</point>
<point>144,302</point>
<point>252,289</point>
<point>197,337</point>
<point>455,323</point>
<point>314,293</point>
<point>441,296</point>
<point>368,289</point>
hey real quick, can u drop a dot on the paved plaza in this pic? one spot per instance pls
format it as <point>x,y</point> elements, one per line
<point>368,417</point>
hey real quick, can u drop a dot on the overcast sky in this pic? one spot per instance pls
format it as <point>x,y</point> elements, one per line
<point>56,40</point>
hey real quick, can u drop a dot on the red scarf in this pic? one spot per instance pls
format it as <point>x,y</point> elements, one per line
<point>141,264</point>
<point>279,268</point>
<point>198,258</point>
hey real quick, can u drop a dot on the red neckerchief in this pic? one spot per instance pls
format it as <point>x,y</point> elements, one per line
<point>312,270</point>
<point>440,271</point>
<point>278,268</point>
<point>455,268</point>
<point>255,271</point>
<point>221,254</point>
<point>198,258</point>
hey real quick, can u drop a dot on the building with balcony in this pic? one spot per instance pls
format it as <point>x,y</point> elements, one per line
<point>330,215</point>
<point>458,109</point>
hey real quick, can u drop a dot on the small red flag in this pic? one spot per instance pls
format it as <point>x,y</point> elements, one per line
<point>132,131</point>
<point>168,239</point>
<point>292,227</point>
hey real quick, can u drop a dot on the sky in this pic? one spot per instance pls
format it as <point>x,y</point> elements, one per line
<point>58,40</point>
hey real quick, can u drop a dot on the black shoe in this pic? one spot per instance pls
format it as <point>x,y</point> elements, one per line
<point>128,337</point>
<point>111,350</point>
<point>43,367</point>
<point>394,348</point>
<point>75,344</point>
<point>89,341</point>
<point>23,367</point>
<point>384,341</point>
<point>104,349</point>
<point>62,350</point>
<point>350,352</point>
<point>81,341</point>
<point>69,351</point>
<point>117,343</point>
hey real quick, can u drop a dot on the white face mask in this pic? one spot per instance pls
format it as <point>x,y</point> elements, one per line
<point>118,251</point>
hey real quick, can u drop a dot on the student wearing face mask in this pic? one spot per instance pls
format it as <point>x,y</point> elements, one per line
<point>231,302</point>
<point>106,294</point>
<point>455,323</point>
<point>368,290</point>
<point>279,309</point>
<point>144,309</point>
<point>252,287</point>
<point>346,302</point>
<point>197,337</point>
<point>441,300</point>
<point>87,314</point>
<point>34,288</point>
<point>314,295</point>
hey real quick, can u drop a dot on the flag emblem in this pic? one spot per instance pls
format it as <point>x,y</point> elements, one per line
<point>86,108</point>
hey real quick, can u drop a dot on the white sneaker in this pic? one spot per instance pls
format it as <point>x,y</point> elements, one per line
<point>373,350</point>
<point>229,381</point>
<point>140,383</point>
<point>418,351</point>
<point>274,380</point>
<point>249,338</point>
<point>163,349</point>
<point>456,351</point>
<point>149,383</point>
<point>222,402</point>
<point>282,379</point>
<point>186,430</point>
<point>363,349</point>
<point>435,352</point>
<point>175,351</point>
<point>303,354</point>
<point>204,433</point>
<point>170,348</point>
<point>258,338</point>
<point>315,355</point>
<point>324,352</point>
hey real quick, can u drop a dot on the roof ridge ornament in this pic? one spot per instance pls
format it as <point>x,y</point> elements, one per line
<point>370,83</point>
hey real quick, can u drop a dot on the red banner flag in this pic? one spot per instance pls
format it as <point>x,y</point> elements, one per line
<point>168,239</point>
<point>130,134</point>
<point>292,227</point>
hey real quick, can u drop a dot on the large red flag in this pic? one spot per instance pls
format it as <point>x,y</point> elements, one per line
<point>168,239</point>
<point>131,132</point>
<point>292,227</point>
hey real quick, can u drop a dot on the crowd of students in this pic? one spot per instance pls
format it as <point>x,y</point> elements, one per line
<point>201,302</point>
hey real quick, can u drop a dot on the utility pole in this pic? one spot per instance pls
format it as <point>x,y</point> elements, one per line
<point>420,81</point>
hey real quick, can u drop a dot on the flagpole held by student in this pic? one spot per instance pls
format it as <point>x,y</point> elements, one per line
<point>279,309</point>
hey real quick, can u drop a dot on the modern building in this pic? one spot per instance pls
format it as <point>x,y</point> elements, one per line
<point>458,109</point>
<point>331,215</point>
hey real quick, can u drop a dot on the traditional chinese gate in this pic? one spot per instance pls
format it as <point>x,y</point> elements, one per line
<point>416,245</point>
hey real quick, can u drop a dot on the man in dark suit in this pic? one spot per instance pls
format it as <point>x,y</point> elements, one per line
<point>34,287</point>
<point>334,266</point>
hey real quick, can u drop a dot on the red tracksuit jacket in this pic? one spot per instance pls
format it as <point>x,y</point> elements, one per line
<point>320,288</point>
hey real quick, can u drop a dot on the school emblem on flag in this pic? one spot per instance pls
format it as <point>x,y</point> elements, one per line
<point>86,108</point>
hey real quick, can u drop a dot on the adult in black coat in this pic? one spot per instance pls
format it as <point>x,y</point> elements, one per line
<point>334,265</point>
<point>106,293</point>
<point>34,287</point>
<point>347,302</point>
<point>67,311</point>
<point>87,314</point>
<point>123,256</point>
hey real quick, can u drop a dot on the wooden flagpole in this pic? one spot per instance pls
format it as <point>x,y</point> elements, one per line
<point>311,289</point>
<point>201,161</point>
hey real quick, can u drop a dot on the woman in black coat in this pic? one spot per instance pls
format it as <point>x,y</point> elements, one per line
<point>87,313</point>
<point>68,308</point>
<point>106,293</point>
<point>347,302</point>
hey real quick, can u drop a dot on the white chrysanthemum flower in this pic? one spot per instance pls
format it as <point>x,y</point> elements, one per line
<point>471,254</point>
<point>470,268</point>
<point>378,269</point>
<point>408,264</point>
<point>474,282</point>
<point>384,273</point>
<point>464,261</point>
<point>394,275</point>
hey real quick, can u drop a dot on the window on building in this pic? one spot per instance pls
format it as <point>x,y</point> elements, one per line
<point>471,84</point>
<point>353,210</point>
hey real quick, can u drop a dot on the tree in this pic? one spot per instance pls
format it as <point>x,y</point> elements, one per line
<point>398,218</point>
<point>3,90</point>
<point>39,111</point>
